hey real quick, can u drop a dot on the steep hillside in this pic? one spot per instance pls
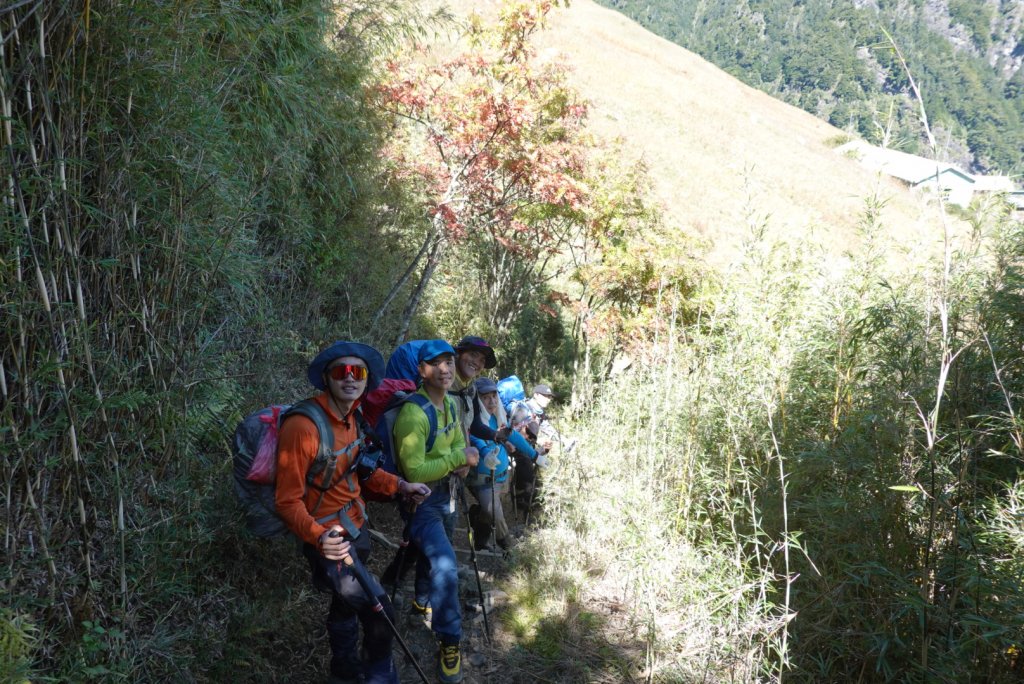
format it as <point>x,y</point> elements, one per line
<point>724,156</point>
<point>835,59</point>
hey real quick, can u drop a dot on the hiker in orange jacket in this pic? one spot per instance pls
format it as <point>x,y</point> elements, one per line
<point>313,509</point>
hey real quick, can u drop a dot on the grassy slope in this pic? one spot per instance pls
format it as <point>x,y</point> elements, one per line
<point>719,151</point>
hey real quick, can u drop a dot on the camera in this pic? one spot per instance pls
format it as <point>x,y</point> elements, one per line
<point>370,455</point>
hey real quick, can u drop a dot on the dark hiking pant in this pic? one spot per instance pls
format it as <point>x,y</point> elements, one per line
<point>489,513</point>
<point>437,578</point>
<point>350,608</point>
<point>526,479</point>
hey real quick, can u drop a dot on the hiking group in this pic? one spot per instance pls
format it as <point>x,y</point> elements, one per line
<point>419,432</point>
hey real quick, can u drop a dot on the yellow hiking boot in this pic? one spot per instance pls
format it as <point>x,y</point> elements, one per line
<point>449,664</point>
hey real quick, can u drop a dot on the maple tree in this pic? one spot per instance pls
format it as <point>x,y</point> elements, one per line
<point>520,196</point>
<point>494,140</point>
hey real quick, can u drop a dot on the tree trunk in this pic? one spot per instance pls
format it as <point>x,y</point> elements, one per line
<point>400,283</point>
<point>428,271</point>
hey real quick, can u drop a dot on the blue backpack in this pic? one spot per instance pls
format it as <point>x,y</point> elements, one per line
<point>380,408</point>
<point>403,363</point>
<point>510,390</point>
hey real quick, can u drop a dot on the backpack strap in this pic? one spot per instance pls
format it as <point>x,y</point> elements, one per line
<point>314,412</point>
<point>341,515</point>
<point>465,394</point>
<point>362,424</point>
<point>344,520</point>
<point>431,411</point>
<point>325,463</point>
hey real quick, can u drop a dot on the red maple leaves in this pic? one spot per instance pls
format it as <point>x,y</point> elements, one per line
<point>495,140</point>
<point>494,136</point>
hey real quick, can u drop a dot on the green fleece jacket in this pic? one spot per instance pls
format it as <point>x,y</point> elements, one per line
<point>411,430</point>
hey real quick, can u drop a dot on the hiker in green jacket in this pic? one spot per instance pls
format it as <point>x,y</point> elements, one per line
<point>437,580</point>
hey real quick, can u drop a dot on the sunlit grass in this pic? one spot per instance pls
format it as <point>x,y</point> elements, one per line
<point>670,517</point>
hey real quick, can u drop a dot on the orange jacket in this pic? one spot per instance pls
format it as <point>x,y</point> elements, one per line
<point>297,445</point>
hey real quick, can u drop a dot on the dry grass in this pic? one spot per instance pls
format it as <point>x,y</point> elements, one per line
<point>723,156</point>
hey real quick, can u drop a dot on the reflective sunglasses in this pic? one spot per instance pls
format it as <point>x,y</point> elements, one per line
<point>340,371</point>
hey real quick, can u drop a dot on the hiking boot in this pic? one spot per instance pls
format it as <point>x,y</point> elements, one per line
<point>449,664</point>
<point>424,611</point>
<point>381,671</point>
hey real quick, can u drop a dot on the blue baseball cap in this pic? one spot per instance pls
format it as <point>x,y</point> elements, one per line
<point>432,349</point>
<point>370,356</point>
<point>470,342</point>
<point>485,386</point>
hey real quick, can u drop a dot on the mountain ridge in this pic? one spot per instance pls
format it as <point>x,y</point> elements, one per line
<point>724,158</point>
<point>839,61</point>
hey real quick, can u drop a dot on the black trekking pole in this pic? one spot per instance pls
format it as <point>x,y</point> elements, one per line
<point>386,612</point>
<point>513,478</point>
<point>494,510</point>
<point>472,558</point>
<point>533,493</point>
<point>512,487</point>
<point>399,560</point>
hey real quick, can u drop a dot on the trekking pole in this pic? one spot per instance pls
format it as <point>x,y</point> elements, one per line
<point>512,488</point>
<point>402,553</point>
<point>494,510</point>
<point>533,493</point>
<point>386,612</point>
<point>472,558</point>
<point>533,489</point>
<point>513,478</point>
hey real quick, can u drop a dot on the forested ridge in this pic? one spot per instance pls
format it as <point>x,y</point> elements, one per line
<point>836,60</point>
<point>796,467</point>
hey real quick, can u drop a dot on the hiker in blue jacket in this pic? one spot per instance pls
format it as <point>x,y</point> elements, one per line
<point>490,478</point>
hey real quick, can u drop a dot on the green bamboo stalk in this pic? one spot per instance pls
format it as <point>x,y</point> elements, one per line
<point>6,111</point>
<point>55,291</point>
<point>44,296</point>
<point>42,528</point>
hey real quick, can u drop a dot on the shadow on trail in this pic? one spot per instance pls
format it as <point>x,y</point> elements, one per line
<point>266,622</point>
<point>533,637</point>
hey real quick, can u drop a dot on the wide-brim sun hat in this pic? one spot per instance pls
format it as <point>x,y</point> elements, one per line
<point>471,342</point>
<point>431,349</point>
<point>370,356</point>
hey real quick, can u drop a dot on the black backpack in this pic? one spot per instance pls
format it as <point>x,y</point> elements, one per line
<point>260,429</point>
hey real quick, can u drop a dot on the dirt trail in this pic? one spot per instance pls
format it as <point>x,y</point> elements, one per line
<point>483,662</point>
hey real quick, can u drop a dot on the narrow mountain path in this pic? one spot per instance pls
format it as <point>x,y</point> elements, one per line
<point>485,661</point>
